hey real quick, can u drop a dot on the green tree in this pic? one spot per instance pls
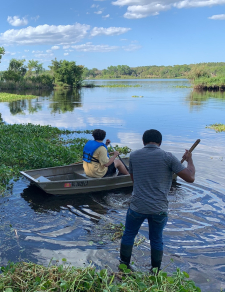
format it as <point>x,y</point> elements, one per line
<point>18,66</point>
<point>10,75</point>
<point>67,72</point>
<point>2,52</point>
<point>34,65</point>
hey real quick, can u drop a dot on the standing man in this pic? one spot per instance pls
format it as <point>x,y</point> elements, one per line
<point>151,170</point>
<point>96,161</point>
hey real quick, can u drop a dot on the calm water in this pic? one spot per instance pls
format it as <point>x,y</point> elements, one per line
<point>38,227</point>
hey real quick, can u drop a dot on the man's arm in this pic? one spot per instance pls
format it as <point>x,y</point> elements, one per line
<point>111,160</point>
<point>188,174</point>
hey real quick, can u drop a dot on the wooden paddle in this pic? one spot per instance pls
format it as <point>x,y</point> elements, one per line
<point>192,148</point>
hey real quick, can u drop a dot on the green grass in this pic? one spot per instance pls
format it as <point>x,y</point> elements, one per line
<point>30,277</point>
<point>12,97</point>
<point>120,85</point>
<point>210,83</point>
<point>217,127</point>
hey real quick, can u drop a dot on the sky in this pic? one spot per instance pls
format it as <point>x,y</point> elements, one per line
<point>101,33</point>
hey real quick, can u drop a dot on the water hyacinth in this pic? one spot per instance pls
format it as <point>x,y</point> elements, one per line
<point>30,277</point>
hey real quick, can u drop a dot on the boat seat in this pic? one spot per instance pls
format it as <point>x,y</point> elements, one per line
<point>42,179</point>
<point>86,176</point>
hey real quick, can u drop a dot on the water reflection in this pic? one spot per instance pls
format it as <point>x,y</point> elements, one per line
<point>62,101</point>
<point>65,100</point>
<point>197,99</point>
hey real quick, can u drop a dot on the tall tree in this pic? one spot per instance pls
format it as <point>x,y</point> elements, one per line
<point>18,66</point>
<point>2,52</point>
<point>67,72</point>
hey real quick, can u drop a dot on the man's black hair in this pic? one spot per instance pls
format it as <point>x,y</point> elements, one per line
<point>152,136</point>
<point>99,134</point>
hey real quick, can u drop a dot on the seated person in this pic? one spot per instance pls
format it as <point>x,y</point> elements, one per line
<point>96,161</point>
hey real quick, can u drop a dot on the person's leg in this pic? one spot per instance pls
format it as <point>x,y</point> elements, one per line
<point>132,225</point>
<point>156,225</point>
<point>119,165</point>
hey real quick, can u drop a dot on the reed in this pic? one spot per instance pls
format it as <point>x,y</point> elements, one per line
<point>210,83</point>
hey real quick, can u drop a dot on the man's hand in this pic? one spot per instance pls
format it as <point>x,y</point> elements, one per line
<point>116,153</point>
<point>107,142</point>
<point>187,156</point>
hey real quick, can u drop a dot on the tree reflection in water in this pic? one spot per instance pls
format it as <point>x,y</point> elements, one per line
<point>60,101</point>
<point>197,98</point>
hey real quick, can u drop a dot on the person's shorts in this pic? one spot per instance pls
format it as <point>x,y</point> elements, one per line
<point>111,170</point>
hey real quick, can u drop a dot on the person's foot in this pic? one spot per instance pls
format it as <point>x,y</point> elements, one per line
<point>131,267</point>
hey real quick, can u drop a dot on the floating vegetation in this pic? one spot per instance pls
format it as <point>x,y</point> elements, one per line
<point>182,86</point>
<point>210,83</point>
<point>34,146</point>
<point>120,85</point>
<point>136,96</point>
<point>13,97</point>
<point>217,127</point>
<point>122,150</point>
<point>30,277</point>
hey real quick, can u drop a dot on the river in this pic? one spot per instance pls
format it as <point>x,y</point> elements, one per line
<point>39,227</point>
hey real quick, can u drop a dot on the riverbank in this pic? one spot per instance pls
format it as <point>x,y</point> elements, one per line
<point>209,83</point>
<point>32,277</point>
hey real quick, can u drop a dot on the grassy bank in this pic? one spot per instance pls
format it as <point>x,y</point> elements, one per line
<point>209,83</point>
<point>217,127</point>
<point>24,84</point>
<point>91,85</point>
<point>32,277</point>
<point>12,97</point>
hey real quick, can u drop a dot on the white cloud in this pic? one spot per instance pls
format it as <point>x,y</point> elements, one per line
<point>45,35</point>
<point>106,16</point>
<point>9,53</point>
<point>131,47</point>
<point>16,21</point>
<point>108,31</point>
<point>55,47</point>
<point>26,51</point>
<point>89,47</point>
<point>48,51</point>
<point>37,52</point>
<point>218,17</point>
<point>143,8</point>
<point>66,54</point>
<point>94,6</point>
<point>35,18</point>
<point>98,12</point>
<point>43,55</point>
<point>66,47</point>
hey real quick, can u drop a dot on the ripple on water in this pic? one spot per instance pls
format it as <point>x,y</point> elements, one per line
<point>72,227</point>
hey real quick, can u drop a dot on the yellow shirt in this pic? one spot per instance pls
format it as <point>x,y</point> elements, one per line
<point>94,169</point>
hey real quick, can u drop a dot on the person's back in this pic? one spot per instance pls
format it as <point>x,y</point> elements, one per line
<point>152,170</point>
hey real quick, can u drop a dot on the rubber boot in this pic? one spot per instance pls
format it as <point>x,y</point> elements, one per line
<point>125,253</point>
<point>156,258</point>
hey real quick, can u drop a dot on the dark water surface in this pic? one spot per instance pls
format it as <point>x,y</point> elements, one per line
<point>37,227</point>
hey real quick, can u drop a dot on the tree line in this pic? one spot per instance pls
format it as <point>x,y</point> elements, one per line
<point>62,73</point>
<point>192,71</point>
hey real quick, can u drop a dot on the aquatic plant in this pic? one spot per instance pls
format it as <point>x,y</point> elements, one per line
<point>30,277</point>
<point>120,85</point>
<point>210,83</point>
<point>34,146</point>
<point>217,127</point>
<point>122,150</point>
<point>12,97</point>
<point>182,86</point>
<point>136,96</point>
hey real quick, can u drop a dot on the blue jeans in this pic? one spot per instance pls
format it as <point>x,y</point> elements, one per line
<point>156,223</point>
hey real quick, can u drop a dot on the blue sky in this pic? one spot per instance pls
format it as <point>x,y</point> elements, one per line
<point>98,34</point>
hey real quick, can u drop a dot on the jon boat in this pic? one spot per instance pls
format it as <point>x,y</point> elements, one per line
<point>71,179</point>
